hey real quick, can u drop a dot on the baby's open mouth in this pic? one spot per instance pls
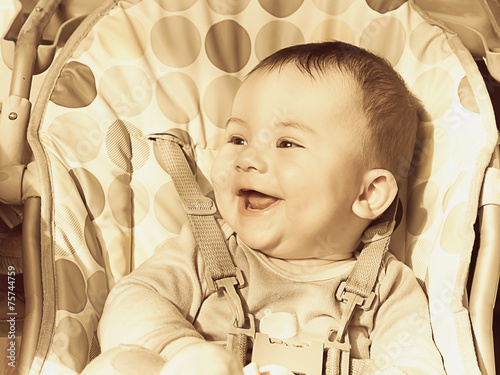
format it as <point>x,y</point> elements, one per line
<point>256,201</point>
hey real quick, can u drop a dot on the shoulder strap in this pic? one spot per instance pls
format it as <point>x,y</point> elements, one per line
<point>357,290</point>
<point>222,274</point>
<point>200,210</point>
<point>376,240</point>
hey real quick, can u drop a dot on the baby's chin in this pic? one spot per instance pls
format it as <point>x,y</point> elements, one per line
<point>273,249</point>
<point>255,242</point>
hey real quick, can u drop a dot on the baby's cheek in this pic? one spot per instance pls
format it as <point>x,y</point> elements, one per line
<point>221,169</point>
<point>224,199</point>
<point>221,198</point>
<point>219,177</point>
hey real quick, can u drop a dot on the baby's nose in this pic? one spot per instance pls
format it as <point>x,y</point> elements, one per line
<point>249,160</point>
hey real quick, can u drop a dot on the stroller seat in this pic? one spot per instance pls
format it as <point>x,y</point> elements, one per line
<point>134,68</point>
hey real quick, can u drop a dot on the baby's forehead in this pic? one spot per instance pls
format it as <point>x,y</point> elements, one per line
<point>333,81</point>
<point>333,89</point>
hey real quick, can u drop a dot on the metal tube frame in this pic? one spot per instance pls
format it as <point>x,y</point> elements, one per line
<point>485,281</point>
<point>32,283</point>
<point>25,53</point>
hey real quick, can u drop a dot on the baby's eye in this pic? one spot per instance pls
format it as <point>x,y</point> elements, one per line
<point>236,140</point>
<point>283,143</point>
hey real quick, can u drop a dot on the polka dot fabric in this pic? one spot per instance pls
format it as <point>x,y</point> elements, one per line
<point>141,67</point>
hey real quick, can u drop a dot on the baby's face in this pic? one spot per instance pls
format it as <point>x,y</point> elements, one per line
<point>285,180</point>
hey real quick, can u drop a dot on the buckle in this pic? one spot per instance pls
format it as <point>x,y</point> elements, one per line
<point>306,359</point>
<point>228,287</point>
<point>352,301</point>
<point>351,298</point>
<point>238,279</point>
<point>198,205</point>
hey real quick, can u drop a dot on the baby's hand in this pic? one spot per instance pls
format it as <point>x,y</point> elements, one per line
<point>253,369</point>
<point>203,359</point>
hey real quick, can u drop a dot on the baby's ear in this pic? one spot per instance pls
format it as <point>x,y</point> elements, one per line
<point>378,190</point>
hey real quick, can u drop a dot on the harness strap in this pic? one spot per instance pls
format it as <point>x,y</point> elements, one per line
<point>199,209</point>
<point>376,240</point>
<point>357,290</point>
<point>336,361</point>
<point>222,274</point>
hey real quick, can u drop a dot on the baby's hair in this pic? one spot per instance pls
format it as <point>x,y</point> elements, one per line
<point>388,105</point>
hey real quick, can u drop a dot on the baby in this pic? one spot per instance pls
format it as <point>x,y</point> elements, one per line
<point>320,137</point>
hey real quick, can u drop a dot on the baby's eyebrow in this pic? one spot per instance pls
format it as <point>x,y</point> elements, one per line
<point>284,124</point>
<point>236,120</point>
<point>296,125</point>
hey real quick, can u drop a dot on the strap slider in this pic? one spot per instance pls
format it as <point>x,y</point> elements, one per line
<point>353,299</point>
<point>200,206</point>
<point>247,330</point>
<point>341,343</point>
<point>338,352</point>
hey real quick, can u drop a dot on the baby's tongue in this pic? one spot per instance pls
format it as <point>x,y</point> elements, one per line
<point>259,201</point>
